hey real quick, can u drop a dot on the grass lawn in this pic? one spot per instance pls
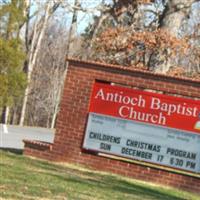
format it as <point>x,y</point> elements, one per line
<point>26,178</point>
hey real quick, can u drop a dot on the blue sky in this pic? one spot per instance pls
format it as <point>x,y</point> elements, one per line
<point>85,18</point>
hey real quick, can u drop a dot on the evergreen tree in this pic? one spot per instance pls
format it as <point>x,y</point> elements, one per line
<point>12,18</point>
<point>12,77</point>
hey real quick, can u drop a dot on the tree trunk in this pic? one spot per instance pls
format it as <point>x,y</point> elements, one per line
<point>175,12</point>
<point>53,121</point>
<point>36,43</point>
<point>5,115</point>
<point>71,36</point>
<point>73,28</point>
<point>13,119</point>
<point>101,19</point>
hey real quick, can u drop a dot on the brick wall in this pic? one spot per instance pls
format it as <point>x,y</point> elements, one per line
<point>72,119</point>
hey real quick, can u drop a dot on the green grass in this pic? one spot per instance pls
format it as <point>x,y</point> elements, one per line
<point>26,178</point>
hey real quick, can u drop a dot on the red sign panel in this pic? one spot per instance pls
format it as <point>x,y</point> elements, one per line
<point>152,108</point>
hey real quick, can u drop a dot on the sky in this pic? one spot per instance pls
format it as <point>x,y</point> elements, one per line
<point>85,18</point>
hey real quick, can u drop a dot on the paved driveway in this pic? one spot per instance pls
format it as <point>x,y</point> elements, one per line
<point>13,137</point>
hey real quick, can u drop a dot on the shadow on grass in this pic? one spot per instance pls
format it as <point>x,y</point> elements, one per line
<point>109,184</point>
<point>134,189</point>
<point>12,150</point>
<point>82,182</point>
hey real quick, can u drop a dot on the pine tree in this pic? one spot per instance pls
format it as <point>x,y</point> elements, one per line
<point>12,77</point>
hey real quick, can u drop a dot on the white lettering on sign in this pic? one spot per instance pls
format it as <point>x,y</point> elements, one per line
<point>147,107</point>
<point>129,112</point>
<point>142,141</point>
<point>139,101</point>
<point>120,98</point>
<point>156,104</point>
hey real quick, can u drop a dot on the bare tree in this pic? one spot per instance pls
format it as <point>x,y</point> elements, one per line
<point>71,38</point>
<point>38,31</point>
<point>47,77</point>
<point>50,68</point>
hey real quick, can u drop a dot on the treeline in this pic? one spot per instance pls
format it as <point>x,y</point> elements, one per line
<point>36,37</point>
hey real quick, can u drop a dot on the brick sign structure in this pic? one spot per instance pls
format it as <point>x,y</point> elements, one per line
<point>130,122</point>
